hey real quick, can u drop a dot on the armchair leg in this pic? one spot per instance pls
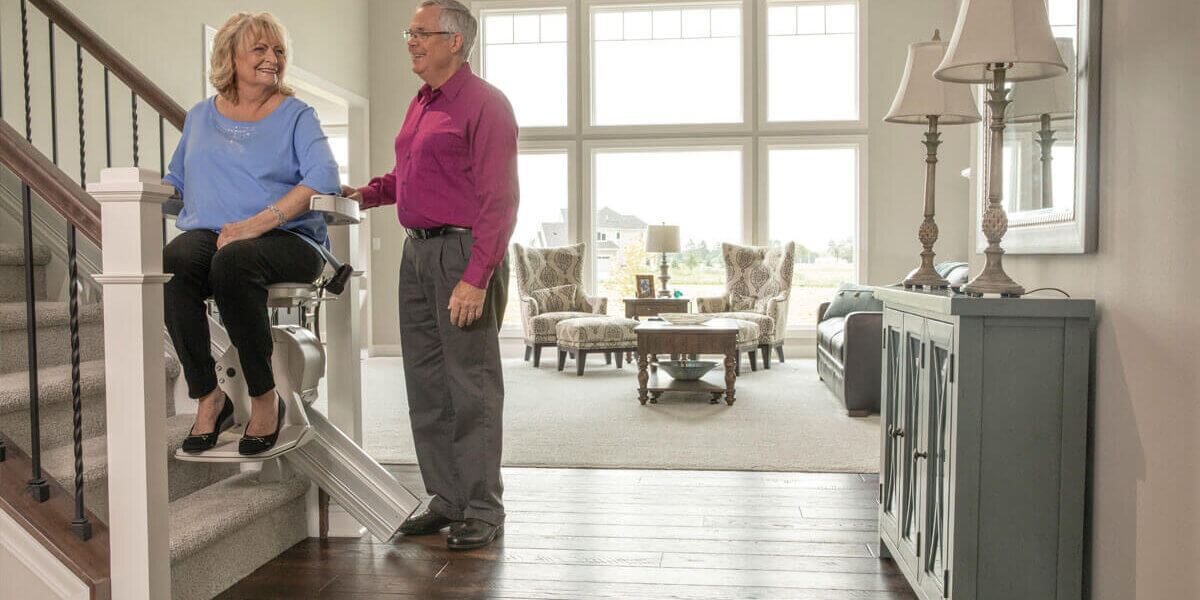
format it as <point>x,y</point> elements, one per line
<point>608,358</point>
<point>779,352</point>
<point>528,352</point>
<point>766,356</point>
<point>620,354</point>
<point>537,356</point>
<point>753,360</point>
<point>562,359</point>
<point>580,362</point>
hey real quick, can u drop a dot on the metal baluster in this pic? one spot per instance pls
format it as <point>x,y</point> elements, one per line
<point>37,486</point>
<point>162,169</point>
<point>80,525</point>
<point>133,101</point>
<point>53,99</point>
<point>107,125</point>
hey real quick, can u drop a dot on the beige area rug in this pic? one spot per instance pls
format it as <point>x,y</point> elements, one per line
<point>784,419</point>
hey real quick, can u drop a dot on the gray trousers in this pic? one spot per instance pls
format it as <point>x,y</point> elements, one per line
<point>453,379</point>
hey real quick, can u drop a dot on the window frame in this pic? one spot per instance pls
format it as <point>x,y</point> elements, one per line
<point>754,135</point>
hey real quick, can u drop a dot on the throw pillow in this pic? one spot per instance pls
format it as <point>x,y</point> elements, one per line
<point>555,299</point>
<point>852,298</point>
<point>740,303</point>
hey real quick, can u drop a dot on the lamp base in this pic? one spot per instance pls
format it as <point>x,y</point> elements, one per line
<point>993,279</point>
<point>926,277</point>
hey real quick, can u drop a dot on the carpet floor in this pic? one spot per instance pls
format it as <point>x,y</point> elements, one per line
<point>784,419</point>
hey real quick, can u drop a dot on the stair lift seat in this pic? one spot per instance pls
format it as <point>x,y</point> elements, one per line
<point>307,440</point>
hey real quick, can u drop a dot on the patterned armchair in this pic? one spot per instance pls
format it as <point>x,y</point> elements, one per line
<point>541,274</point>
<point>758,281</point>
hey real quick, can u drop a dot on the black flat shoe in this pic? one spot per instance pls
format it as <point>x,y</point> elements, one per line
<point>427,523</point>
<point>250,445</point>
<point>473,534</point>
<point>197,443</point>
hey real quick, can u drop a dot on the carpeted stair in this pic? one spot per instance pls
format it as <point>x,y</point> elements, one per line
<point>224,523</point>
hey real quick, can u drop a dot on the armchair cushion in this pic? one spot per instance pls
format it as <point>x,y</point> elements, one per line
<point>765,323</point>
<point>712,305</point>
<point>557,299</point>
<point>853,298</point>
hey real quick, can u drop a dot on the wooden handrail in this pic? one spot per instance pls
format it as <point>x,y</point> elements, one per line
<point>123,69</point>
<point>51,183</point>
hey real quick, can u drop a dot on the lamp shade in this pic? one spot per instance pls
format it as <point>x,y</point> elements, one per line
<point>1015,33</point>
<point>662,238</point>
<point>921,96</point>
<point>1054,96</point>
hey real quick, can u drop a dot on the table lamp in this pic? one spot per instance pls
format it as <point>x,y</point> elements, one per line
<point>994,42</point>
<point>663,238</point>
<point>923,100</point>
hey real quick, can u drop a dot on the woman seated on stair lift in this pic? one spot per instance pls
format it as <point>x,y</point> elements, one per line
<point>249,160</point>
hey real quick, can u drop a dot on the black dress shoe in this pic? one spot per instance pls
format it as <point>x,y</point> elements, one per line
<point>473,534</point>
<point>250,445</point>
<point>426,523</point>
<point>197,443</point>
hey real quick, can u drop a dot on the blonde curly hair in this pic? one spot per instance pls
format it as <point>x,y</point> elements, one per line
<point>242,28</point>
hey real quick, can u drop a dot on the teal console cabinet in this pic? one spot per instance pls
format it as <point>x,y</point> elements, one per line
<point>984,444</point>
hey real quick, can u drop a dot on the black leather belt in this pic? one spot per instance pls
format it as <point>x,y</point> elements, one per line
<point>432,232</point>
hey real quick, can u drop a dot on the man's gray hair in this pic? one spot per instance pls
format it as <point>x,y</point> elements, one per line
<point>457,17</point>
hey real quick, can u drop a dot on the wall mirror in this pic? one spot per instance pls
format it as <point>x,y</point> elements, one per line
<point>1051,149</point>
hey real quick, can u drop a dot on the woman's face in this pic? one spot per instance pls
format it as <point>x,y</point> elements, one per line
<point>259,63</point>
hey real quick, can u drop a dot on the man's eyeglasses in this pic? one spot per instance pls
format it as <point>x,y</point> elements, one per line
<point>423,35</point>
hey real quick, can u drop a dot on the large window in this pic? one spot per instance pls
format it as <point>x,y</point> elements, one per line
<point>700,190</point>
<point>812,194</point>
<point>641,112</point>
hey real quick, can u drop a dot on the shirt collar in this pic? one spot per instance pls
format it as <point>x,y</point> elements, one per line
<point>450,89</point>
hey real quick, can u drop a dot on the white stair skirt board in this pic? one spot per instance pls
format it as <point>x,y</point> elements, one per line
<point>27,570</point>
<point>357,483</point>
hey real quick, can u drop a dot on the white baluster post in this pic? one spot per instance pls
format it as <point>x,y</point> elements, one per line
<point>139,538</point>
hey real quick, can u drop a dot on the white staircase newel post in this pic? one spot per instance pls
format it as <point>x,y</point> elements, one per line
<point>139,539</point>
<point>343,366</point>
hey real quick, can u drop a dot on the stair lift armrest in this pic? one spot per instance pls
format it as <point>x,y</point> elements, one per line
<point>336,210</point>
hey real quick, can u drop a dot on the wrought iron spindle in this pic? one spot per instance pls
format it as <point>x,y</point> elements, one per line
<point>162,169</point>
<point>37,486</point>
<point>3,448</point>
<point>80,525</point>
<point>53,98</point>
<point>133,102</point>
<point>107,124</point>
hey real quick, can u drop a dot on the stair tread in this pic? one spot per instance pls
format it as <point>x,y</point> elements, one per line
<point>49,314</point>
<point>60,462</point>
<point>54,383</point>
<point>14,254</point>
<point>208,515</point>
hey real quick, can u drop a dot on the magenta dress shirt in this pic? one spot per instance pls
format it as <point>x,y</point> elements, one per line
<point>456,164</point>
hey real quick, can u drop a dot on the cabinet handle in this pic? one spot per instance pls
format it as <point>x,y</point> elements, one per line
<point>918,454</point>
<point>899,432</point>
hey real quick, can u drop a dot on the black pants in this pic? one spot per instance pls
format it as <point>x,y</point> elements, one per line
<point>236,277</point>
<point>453,379</point>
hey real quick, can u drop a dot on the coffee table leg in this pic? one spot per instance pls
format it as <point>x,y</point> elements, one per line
<point>643,378</point>
<point>730,376</point>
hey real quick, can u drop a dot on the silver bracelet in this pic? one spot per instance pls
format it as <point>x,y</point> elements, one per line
<point>278,214</point>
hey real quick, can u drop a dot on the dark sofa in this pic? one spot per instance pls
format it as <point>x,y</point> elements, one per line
<point>849,342</point>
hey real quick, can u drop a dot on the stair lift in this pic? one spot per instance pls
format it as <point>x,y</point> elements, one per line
<point>307,440</point>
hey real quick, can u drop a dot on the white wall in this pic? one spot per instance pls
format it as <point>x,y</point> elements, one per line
<point>1145,447</point>
<point>393,86</point>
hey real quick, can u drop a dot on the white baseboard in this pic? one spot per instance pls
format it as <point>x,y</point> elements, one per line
<point>27,570</point>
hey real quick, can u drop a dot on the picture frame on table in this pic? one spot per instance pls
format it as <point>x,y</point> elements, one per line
<point>645,286</point>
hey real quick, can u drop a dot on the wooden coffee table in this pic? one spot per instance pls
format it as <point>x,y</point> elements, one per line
<point>716,336</point>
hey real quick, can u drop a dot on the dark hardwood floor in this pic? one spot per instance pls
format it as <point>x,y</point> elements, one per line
<point>622,534</point>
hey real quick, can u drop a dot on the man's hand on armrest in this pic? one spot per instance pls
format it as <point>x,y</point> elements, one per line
<point>351,193</point>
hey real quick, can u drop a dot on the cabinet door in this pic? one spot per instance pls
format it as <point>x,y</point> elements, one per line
<point>938,390</point>
<point>910,434</point>
<point>891,411</point>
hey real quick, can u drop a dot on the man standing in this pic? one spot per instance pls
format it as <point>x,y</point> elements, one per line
<point>455,190</point>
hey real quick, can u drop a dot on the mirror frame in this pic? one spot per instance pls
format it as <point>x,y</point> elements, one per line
<point>1063,232</point>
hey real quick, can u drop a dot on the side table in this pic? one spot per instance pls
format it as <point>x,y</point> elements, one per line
<point>651,307</point>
